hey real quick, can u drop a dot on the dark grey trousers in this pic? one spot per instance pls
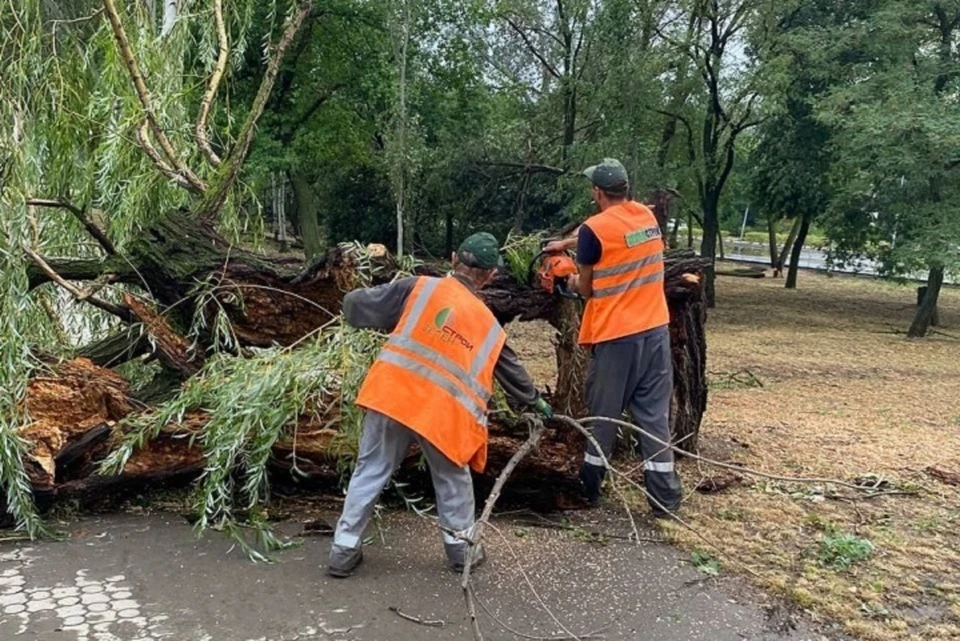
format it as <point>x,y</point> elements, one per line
<point>634,373</point>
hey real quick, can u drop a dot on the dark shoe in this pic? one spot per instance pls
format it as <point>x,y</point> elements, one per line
<point>343,561</point>
<point>458,558</point>
<point>591,482</point>
<point>666,515</point>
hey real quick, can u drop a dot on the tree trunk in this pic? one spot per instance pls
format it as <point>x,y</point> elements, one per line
<point>569,120</point>
<point>788,245</point>
<point>797,251</point>
<point>928,306</point>
<point>308,213</point>
<point>571,360</point>
<point>448,240</point>
<point>921,295</point>
<point>278,301</point>
<point>708,246</point>
<point>772,236</point>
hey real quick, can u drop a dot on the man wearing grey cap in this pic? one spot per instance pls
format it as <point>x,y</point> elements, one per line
<point>625,325</point>
<point>430,385</point>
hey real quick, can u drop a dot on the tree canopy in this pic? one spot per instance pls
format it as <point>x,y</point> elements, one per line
<point>134,127</point>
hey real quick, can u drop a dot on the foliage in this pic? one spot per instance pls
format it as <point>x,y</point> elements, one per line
<point>519,252</point>
<point>843,109</point>
<point>248,405</point>
<point>841,551</point>
<point>705,563</point>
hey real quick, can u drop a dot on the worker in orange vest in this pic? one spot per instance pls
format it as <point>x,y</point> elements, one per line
<point>625,325</point>
<point>430,385</point>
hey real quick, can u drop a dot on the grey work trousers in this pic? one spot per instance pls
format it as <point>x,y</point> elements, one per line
<point>384,445</point>
<point>635,373</point>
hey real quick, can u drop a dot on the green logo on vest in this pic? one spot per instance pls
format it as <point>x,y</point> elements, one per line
<point>641,236</point>
<point>448,334</point>
<point>444,315</point>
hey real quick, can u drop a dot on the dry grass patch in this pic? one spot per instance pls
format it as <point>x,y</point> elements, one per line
<point>844,395</point>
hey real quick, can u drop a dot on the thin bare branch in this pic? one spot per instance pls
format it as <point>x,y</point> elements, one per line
<point>110,308</point>
<point>130,61</point>
<point>211,93</point>
<point>143,138</point>
<point>530,47</point>
<point>234,162</point>
<point>80,215</point>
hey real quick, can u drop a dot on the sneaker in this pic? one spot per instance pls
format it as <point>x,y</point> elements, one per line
<point>343,561</point>
<point>458,559</point>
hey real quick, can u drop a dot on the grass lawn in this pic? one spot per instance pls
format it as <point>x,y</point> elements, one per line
<point>844,395</point>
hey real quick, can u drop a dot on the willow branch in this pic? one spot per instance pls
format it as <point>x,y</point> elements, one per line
<point>108,307</point>
<point>234,162</point>
<point>143,138</point>
<point>224,52</point>
<point>80,215</point>
<point>130,61</point>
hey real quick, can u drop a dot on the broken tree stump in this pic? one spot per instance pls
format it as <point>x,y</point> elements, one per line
<point>188,269</point>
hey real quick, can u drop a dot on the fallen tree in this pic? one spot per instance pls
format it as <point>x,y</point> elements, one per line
<point>255,373</point>
<point>82,412</point>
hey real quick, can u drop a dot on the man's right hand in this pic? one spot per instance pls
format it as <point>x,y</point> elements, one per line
<point>556,247</point>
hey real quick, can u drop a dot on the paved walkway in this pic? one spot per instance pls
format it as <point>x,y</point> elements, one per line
<point>146,578</point>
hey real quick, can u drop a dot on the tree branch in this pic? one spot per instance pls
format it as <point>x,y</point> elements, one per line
<point>80,215</point>
<point>110,308</point>
<point>143,138</point>
<point>528,168</point>
<point>126,53</point>
<point>222,56</point>
<point>234,162</point>
<point>526,40</point>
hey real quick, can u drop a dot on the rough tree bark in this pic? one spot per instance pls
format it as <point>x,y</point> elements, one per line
<point>797,251</point>
<point>927,311</point>
<point>278,301</point>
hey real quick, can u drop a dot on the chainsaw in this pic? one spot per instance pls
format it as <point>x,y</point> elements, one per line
<point>553,271</point>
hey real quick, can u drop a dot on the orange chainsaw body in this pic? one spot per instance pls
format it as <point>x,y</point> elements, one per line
<point>555,269</point>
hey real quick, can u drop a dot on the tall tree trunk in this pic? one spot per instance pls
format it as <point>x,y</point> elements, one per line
<point>788,245</point>
<point>569,119</point>
<point>308,213</point>
<point>928,307</point>
<point>797,250</point>
<point>571,360</point>
<point>772,235</point>
<point>708,245</point>
<point>449,235</point>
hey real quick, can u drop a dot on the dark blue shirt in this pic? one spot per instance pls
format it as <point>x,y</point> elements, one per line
<point>589,249</point>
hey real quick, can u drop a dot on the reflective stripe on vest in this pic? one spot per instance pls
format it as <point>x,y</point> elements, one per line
<point>403,340</point>
<point>441,381</point>
<point>639,281</point>
<point>628,296</point>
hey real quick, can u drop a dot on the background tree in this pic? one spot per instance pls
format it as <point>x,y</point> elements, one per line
<point>897,173</point>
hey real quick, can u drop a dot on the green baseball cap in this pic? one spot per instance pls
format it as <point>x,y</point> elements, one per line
<point>480,250</point>
<point>608,175</point>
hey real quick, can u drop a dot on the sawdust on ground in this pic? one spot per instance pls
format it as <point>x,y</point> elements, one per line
<point>821,381</point>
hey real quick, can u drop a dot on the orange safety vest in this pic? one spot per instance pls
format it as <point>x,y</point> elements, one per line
<point>628,296</point>
<point>435,372</point>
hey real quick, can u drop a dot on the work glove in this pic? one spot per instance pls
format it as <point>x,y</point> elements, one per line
<point>543,407</point>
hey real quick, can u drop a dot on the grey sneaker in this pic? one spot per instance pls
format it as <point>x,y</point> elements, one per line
<point>457,556</point>
<point>343,561</point>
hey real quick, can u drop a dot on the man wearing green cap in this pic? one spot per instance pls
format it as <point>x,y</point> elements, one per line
<point>429,386</point>
<point>625,325</point>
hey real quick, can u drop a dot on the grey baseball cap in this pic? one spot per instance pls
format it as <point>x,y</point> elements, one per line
<point>608,175</point>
